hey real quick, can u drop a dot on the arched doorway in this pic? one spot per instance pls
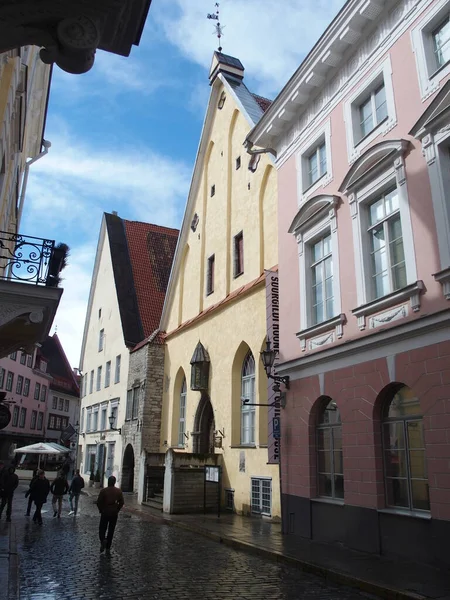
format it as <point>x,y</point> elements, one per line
<point>128,469</point>
<point>204,426</point>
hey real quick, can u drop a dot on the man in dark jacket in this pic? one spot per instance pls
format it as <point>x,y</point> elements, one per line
<point>39,492</point>
<point>76,486</point>
<point>109,502</point>
<point>28,492</point>
<point>8,485</point>
<point>58,488</point>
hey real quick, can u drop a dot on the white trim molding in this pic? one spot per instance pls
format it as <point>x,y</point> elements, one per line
<point>430,75</point>
<point>379,169</point>
<point>433,130</point>
<point>411,292</point>
<point>380,75</point>
<point>444,279</point>
<point>313,336</point>
<point>321,135</point>
<point>315,218</point>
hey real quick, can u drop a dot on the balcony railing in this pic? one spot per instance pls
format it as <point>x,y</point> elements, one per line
<point>30,259</point>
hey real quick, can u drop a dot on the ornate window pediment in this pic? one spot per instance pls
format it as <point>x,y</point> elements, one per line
<point>375,159</point>
<point>311,210</point>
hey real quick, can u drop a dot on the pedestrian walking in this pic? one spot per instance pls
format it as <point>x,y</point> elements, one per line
<point>28,492</point>
<point>39,492</point>
<point>76,485</point>
<point>8,484</point>
<point>58,488</point>
<point>109,502</point>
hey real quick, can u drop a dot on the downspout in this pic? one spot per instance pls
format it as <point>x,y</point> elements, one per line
<point>248,146</point>
<point>28,164</point>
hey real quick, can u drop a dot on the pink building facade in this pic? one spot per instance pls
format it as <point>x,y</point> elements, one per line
<point>26,383</point>
<point>361,134</point>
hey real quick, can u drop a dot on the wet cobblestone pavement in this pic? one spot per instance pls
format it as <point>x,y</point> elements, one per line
<point>61,561</point>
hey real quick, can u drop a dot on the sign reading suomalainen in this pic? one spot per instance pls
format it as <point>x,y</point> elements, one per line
<point>273,332</point>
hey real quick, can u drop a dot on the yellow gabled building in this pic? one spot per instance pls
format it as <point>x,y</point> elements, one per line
<point>215,309</point>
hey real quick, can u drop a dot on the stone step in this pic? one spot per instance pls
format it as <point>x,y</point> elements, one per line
<point>154,503</point>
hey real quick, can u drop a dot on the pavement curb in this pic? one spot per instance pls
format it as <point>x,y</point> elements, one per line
<point>13,570</point>
<point>325,572</point>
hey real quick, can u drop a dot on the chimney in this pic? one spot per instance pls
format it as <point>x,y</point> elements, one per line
<point>231,67</point>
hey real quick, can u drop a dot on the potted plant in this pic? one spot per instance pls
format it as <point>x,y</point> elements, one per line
<point>97,479</point>
<point>91,479</point>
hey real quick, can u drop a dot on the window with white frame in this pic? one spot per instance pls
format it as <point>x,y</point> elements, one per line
<point>370,109</point>
<point>247,400</point>
<point>387,257</point>
<point>33,419</point>
<point>441,42</point>
<point>182,417</point>
<point>99,378</point>
<point>88,419</point>
<point>108,373</point>
<point>82,420</point>
<point>26,387</point>
<point>95,419</point>
<point>114,412</point>
<point>91,382</point>
<point>117,372</point>
<point>315,229</point>
<point>103,419</point>
<point>101,339</point>
<point>321,265</point>
<point>316,164</point>
<point>330,470</point>
<point>10,381</point>
<point>40,421</point>
<point>314,161</point>
<point>55,402</point>
<point>61,404</point>
<point>261,500</point>
<point>66,405</point>
<point>382,231</point>
<point>431,45</point>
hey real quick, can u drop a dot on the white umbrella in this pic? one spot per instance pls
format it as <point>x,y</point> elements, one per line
<point>42,448</point>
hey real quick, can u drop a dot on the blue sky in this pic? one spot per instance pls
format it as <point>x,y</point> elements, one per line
<point>125,135</point>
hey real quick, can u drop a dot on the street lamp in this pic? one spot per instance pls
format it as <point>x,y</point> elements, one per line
<point>112,418</point>
<point>268,357</point>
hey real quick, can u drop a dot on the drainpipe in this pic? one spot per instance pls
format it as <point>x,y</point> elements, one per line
<point>28,164</point>
<point>249,145</point>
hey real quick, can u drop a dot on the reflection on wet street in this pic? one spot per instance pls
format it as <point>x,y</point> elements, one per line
<point>61,560</point>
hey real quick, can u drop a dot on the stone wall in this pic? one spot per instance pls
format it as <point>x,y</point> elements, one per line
<point>146,371</point>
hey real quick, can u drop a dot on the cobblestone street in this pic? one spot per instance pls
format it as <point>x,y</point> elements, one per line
<point>61,560</point>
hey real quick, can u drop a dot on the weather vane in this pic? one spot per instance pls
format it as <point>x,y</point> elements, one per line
<point>218,28</point>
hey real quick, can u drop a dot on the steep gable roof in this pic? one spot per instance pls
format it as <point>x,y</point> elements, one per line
<point>64,379</point>
<point>151,250</point>
<point>252,108</point>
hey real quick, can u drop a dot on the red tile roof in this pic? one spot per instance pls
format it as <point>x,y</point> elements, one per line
<point>151,250</point>
<point>264,103</point>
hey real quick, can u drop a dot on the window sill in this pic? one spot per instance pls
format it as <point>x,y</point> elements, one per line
<point>411,292</point>
<point>327,327</point>
<point>238,274</point>
<point>209,293</point>
<point>377,126</point>
<point>415,514</point>
<point>334,501</point>
<point>444,279</point>
<point>248,446</point>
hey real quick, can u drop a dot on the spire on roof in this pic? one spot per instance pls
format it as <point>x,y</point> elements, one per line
<point>218,28</point>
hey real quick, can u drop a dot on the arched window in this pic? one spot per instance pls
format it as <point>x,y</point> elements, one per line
<point>404,452</point>
<point>182,420</point>
<point>248,393</point>
<point>330,472</point>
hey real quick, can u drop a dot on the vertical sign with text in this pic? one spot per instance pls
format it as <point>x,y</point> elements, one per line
<point>273,332</point>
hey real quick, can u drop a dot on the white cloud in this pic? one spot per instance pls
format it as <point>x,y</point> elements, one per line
<point>269,37</point>
<point>69,320</point>
<point>68,191</point>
